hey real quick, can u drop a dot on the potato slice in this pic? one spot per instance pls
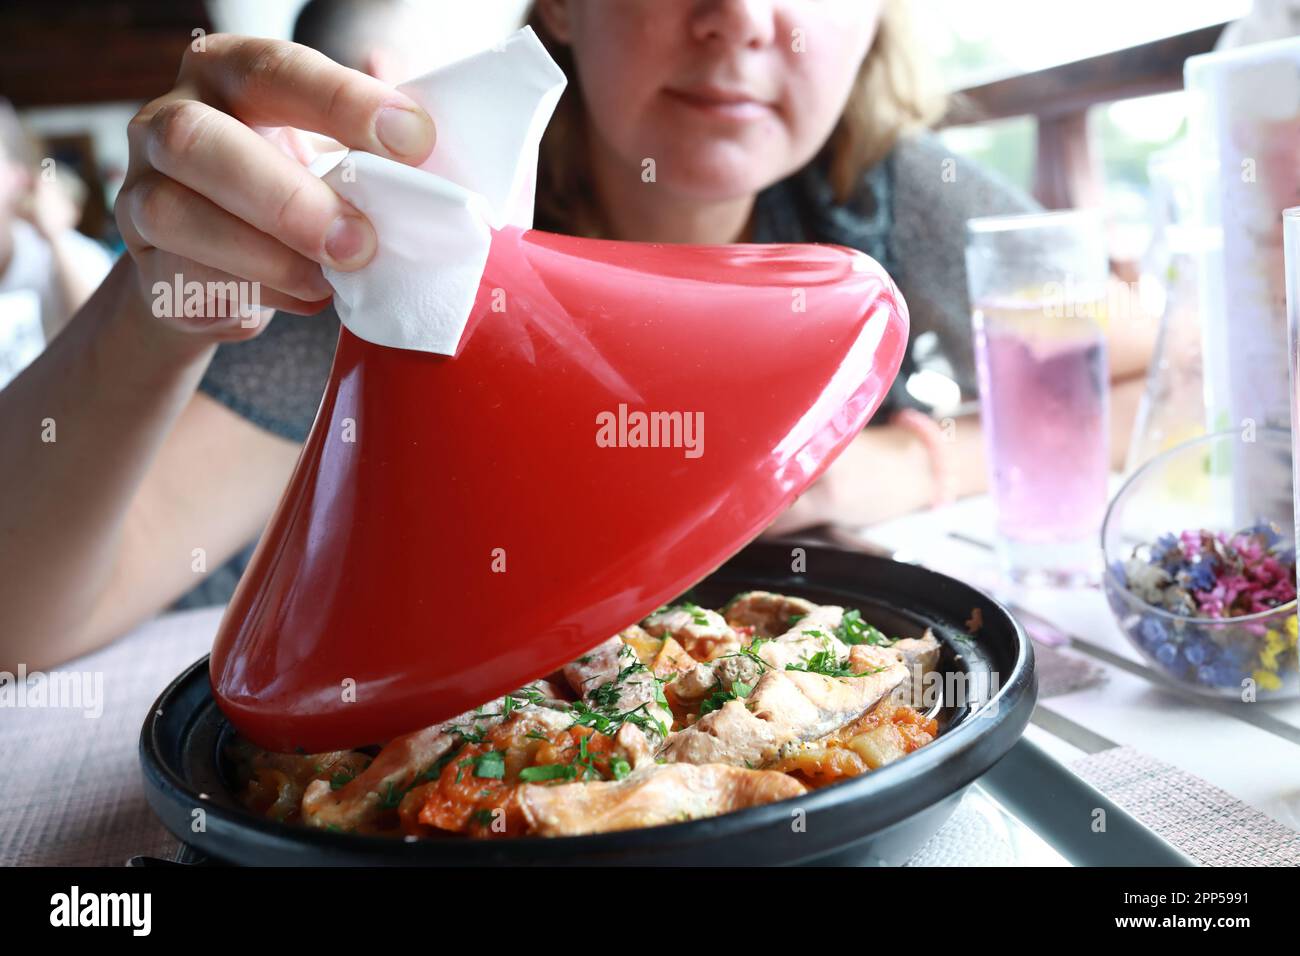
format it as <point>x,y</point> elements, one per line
<point>672,659</point>
<point>879,746</point>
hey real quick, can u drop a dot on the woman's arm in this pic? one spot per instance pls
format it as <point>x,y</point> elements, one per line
<point>71,283</point>
<point>887,471</point>
<point>112,470</point>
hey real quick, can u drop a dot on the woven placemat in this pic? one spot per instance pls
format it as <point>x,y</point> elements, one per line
<point>1208,824</point>
<point>1063,671</point>
<point>70,791</point>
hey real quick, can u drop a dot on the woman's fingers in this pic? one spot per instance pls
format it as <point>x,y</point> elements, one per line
<point>208,199</point>
<point>206,300</point>
<point>274,83</point>
<point>166,214</point>
<point>219,157</point>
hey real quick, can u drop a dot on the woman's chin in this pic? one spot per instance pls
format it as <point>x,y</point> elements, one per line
<point>720,178</point>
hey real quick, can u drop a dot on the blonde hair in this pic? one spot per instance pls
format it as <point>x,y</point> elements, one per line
<point>894,93</point>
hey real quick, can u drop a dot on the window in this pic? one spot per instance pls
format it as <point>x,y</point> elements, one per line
<point>976,41</point>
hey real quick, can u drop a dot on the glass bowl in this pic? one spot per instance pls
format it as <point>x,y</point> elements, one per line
<point>1224,482</point>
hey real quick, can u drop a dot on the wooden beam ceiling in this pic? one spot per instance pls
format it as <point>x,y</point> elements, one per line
<point>60,52</point>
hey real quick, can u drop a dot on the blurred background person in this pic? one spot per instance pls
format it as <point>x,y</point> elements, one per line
<point>47,268</point>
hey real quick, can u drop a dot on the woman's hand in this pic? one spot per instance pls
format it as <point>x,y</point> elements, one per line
<point>210,198</point>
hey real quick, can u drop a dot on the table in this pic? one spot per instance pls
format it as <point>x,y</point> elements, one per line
<point>1220,781</point>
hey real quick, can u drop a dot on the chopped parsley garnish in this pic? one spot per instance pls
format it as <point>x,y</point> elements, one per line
<point>461,765</point>
<point>696,612</point>
<point>827,664</point>
<point>605,697</point>
<point>602,712</point>
<point>609,724</point>
<point>544,772</point>
<point>714,701</point>
<point>751,651</point>
<point>583,768</point>
<point>490,765</point>
<point>853,630</point>
<point>484,818</point>
<point>469,736</point>
<point>341,779</point>
<point>509,704</point>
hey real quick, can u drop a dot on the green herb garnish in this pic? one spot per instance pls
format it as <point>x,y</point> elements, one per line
<point>853,630</point>
<point>490,765</point>
<point>827,664</point>
<point>696,612</point>
<point>546,771</point>
<point>739,690</point>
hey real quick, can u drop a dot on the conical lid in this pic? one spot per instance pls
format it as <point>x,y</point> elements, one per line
<point>619,420</point>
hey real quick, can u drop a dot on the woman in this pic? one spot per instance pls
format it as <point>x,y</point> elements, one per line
<point>136,455</point>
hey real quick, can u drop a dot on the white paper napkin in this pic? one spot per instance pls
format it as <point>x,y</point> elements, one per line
<point>433,222</point>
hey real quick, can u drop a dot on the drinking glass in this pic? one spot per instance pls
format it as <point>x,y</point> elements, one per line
<point>1291,242</point>
<point>1038,290</point>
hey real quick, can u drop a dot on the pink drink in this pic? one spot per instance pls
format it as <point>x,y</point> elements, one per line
<point>1043,382</point>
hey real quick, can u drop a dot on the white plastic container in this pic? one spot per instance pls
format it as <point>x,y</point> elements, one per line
<point>1244,129</point>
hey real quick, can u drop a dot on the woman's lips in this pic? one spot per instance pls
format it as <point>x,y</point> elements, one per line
<point>722,104</point>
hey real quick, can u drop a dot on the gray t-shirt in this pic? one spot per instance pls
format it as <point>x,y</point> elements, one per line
<point>909,214</point>
<point>935,193</point>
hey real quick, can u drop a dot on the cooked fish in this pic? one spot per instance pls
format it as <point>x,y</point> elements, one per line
<point>615,684</point>
<point>784,706</point>
<point>813,634</point>
<point>359,802</point>
<point>769,614</point>
<point>790,703</point>
<point>662,793</point>
<point>705,634</point>
<point>919,654</point>
<point>692,686</point>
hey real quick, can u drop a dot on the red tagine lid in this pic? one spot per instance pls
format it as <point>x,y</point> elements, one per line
<point>620,419</point>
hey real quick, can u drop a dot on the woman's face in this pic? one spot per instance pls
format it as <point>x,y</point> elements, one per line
<point>726,96</point>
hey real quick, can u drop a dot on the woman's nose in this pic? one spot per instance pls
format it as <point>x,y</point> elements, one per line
<point>739,22</point>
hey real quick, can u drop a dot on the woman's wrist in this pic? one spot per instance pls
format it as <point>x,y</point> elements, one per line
<point>938,452</point>
<point>149,351</point>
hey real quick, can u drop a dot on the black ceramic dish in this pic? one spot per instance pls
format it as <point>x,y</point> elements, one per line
<point>881,817</point>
